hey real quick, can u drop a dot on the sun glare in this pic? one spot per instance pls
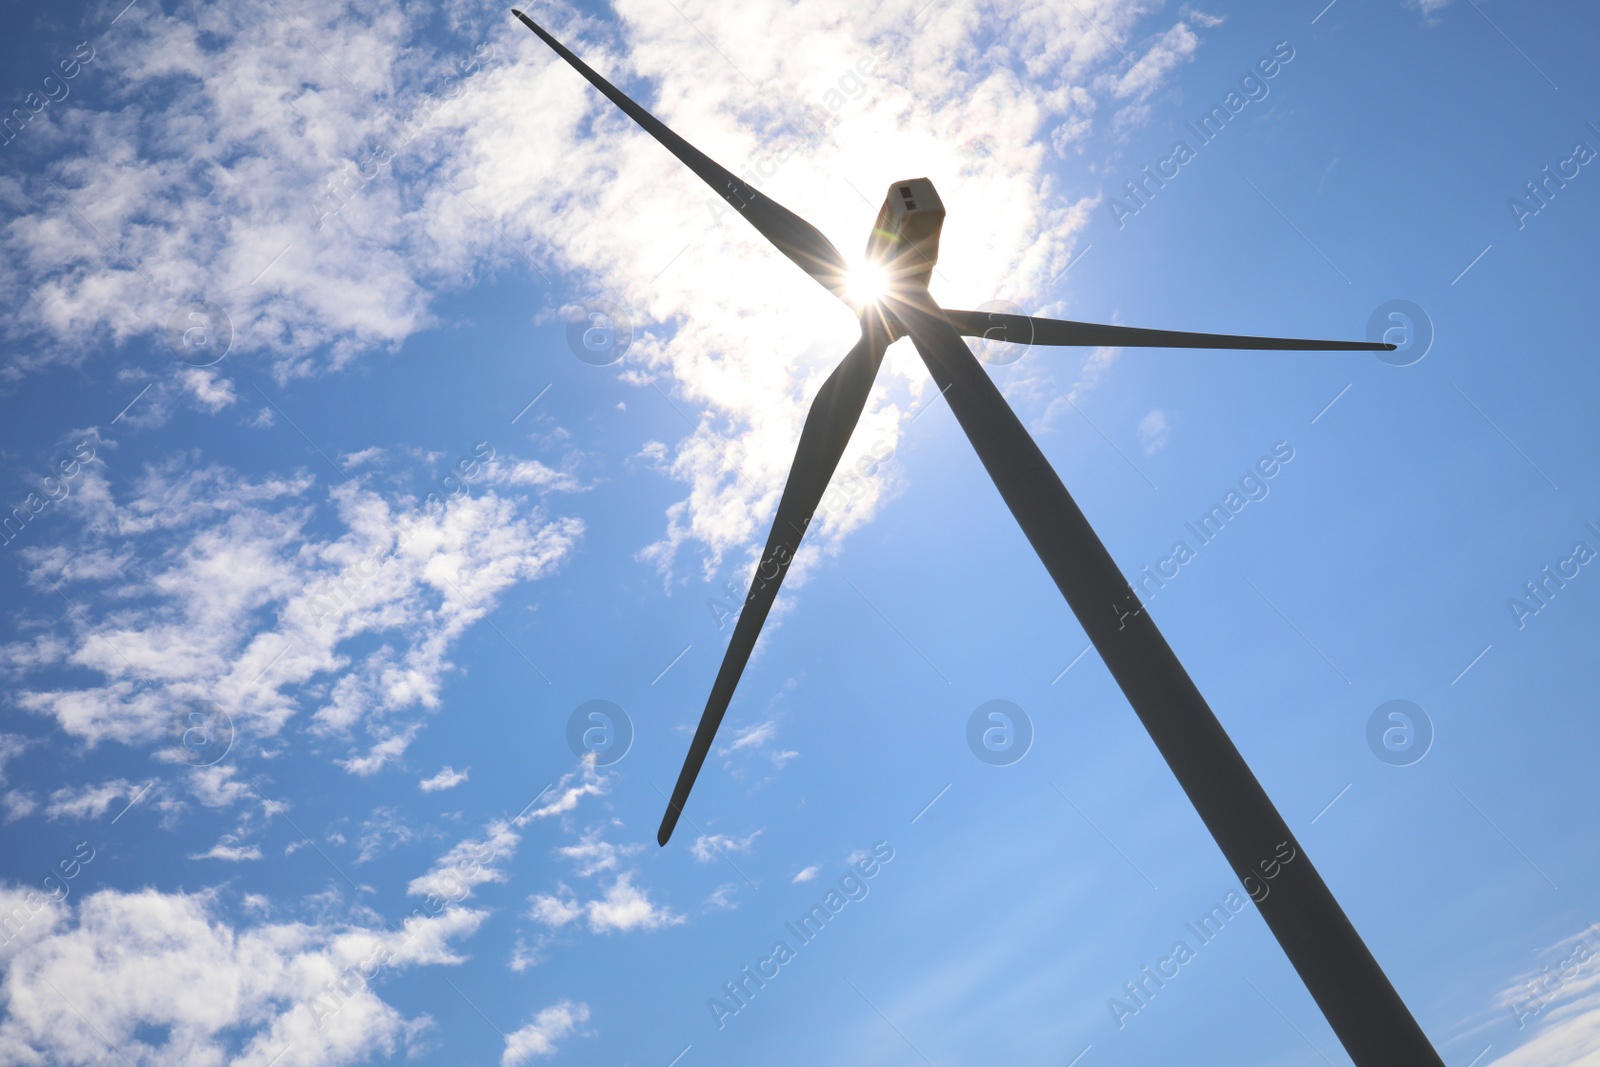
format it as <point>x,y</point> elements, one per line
<point>867,283</point>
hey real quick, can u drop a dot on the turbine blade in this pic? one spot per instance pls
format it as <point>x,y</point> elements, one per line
<point>789,233</point>
<point>827,430</point>
<point>1344,978</point>
<point>1030,330</point>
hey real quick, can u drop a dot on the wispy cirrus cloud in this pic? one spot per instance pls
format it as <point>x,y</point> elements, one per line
<point>1556,1005</point>
<point>708,848</point>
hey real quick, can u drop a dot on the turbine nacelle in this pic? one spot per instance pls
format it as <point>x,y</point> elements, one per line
<point>901,252</point>
<point>905,238</point>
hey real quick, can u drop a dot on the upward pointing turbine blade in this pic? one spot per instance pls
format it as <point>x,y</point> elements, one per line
<point>789,233</point>
<point>1030,330</point>
<point>827,430</point>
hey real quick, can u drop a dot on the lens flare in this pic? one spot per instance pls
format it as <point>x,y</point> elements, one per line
<point>866,283</point>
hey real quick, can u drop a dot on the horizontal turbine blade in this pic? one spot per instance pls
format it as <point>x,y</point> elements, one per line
<point>830,422</point>
<point>788,232</point>
<point>1029,330</point>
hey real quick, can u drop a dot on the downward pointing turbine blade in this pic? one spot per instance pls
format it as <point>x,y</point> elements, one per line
<point>789,233</point>
<point>1028,330</point>
<point>832,419</point>
<point>1371,1020</point>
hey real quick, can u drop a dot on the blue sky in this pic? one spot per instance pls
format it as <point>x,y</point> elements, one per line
<point>286,772</point>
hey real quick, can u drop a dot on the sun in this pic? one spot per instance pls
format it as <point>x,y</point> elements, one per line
<point>866,283</point>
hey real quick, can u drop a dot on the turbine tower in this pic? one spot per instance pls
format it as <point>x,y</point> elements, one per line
<point>1354,994</point>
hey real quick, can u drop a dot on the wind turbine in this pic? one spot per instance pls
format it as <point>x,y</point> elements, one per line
<point>890,297</point>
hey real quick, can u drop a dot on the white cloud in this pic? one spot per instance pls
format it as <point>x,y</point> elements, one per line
<point>11,746</point>
<point>89,802</point>
<point>468,864</point>
<point>1096,365</point>
<point>426,939</point>
<point>18,804</point>
<point>756,735</point>
<point>564,795</point>
<point>592,855</point>
<point>212,392</point>
<point>539,1037</point>
<point>554,909</point>
<point>1557,1005</point>
<point>228,848</point>
<point>528,472</point>
<point>383,752</point>
<point>723,896</point>
<point>523,956</point>
<point>223,193</point>
<point>1570,1037</point>
<point>216,786</point>
<point>622,907</point>
<point>352,460</point>
<point>626,907</point>
<point>167,981</point>
<point>472,862</point>
<point>1154,432</point>
<point>755,738</point>
<point>1150,71</point>
<point>184,225</point>
<point>26,917</point>
<point>243,612</point>
<point>709,847</point>
<point>383,830</point>
<point>447,778</point>
<point>807,873</point>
